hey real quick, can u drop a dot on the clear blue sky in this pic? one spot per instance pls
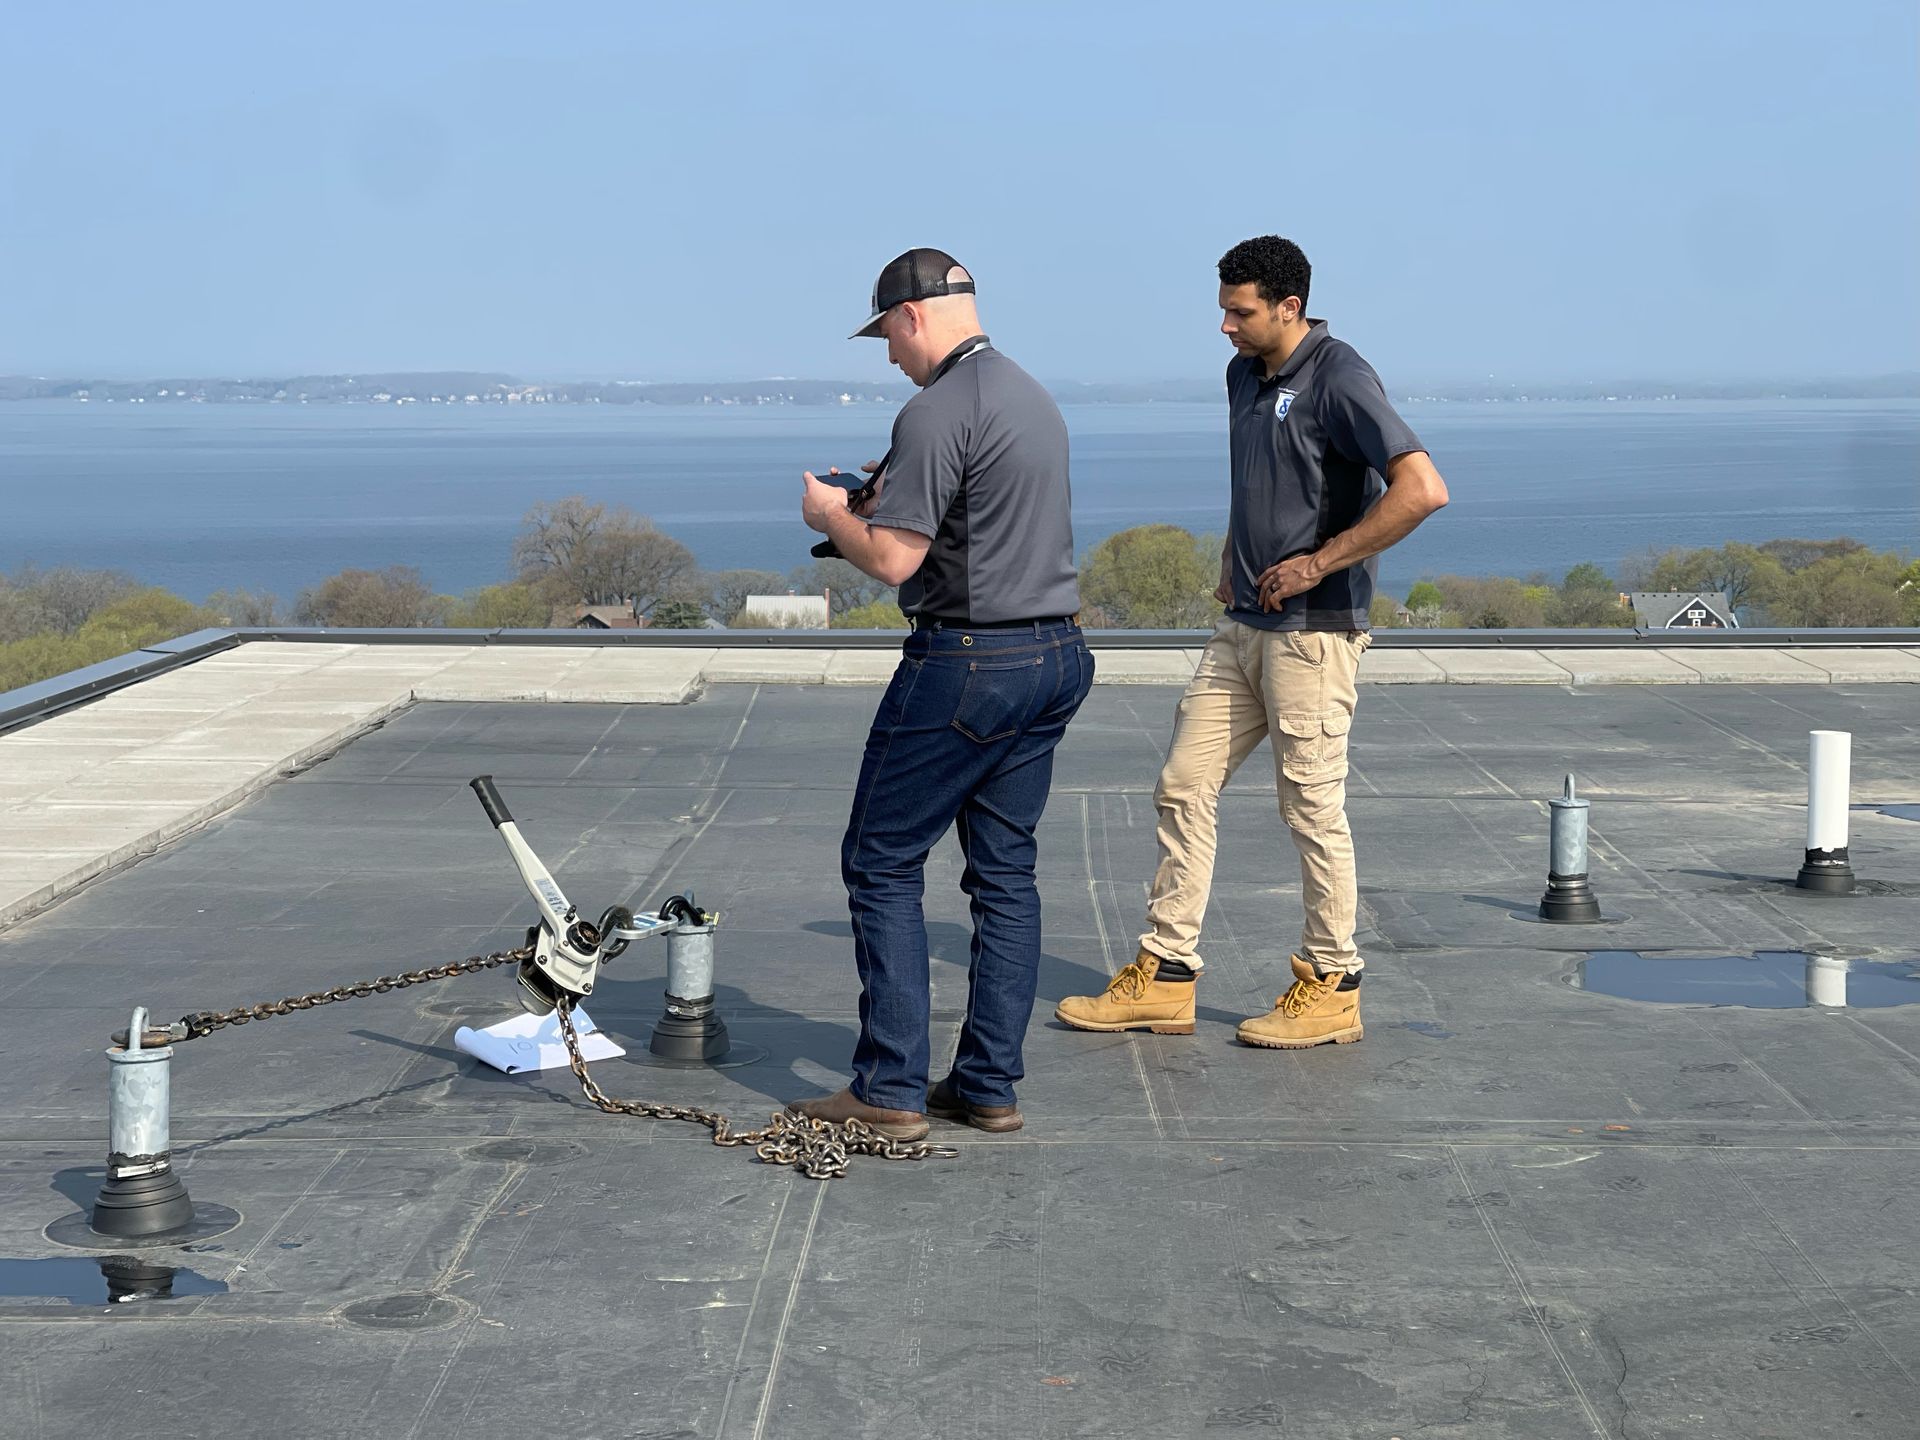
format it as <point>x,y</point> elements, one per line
<point>654,191</point>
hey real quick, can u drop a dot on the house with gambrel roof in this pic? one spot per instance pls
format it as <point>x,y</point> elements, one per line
<point>1683,610</point>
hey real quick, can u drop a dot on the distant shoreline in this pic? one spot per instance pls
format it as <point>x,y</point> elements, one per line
<point>475,388</point>
<point>278,497</point>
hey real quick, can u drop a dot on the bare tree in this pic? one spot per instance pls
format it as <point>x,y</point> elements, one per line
<point>244,608</point>
<point>1798,555</point>
<point>727,590</point>
<point>21,614</point>
<point>631,560</point>
<point>69,597</point>
<point>392,598</point>
<point>552,534</point>
<point>847,586</point>
<point>581,553</point>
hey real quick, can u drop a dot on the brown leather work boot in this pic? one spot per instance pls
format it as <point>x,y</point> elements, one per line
<point>1314,1011</point>
<point>844,1105</point>
<point>943,1103</point>
<point>1136,1000</point>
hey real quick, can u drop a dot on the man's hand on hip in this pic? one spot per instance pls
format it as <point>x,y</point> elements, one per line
<point>1294,575</point>
<point>1414,491</point>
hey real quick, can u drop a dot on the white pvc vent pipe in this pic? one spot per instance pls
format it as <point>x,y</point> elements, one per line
<point>1826,982</point>
<point>1829,786</point>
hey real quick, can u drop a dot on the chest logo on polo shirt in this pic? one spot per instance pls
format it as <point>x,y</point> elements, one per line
<point>1282,402</point>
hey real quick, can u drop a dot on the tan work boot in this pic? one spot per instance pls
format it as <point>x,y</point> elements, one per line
<point>1314,1011</point>
<point>1134,1001</point>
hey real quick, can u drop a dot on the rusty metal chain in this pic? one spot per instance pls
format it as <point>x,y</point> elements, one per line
<point>205,1022</point>
<point>818,1149</point>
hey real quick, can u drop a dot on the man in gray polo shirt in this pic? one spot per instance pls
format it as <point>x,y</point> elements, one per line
<point>971,521</point>
<point>1325,477</point>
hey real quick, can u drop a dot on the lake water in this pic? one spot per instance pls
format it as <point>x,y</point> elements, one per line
<point>199,498</point>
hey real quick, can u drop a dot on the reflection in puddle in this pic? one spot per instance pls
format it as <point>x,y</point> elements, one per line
<point>1767,980</point>
<point>99,1280</point>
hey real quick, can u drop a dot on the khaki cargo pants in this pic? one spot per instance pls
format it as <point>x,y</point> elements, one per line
<point>1299,687</point>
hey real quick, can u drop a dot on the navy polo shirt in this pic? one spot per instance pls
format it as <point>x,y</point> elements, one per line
<point>1310,449</point>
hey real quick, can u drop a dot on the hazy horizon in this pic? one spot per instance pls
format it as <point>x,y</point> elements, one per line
<point>199,498</point>
<point>526,374</point>
<point>1495,190</point>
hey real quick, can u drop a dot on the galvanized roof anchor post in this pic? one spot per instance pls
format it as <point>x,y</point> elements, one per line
<point>141,1196</point>
<point>1569,899</point>
<point>1827,870</point>
<point>691,1028</point>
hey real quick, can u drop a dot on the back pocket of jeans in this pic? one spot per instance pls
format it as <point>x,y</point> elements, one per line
<point>996,698</point>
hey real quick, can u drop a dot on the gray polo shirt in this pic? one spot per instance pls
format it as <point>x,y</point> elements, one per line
<point>1310,450</point>
<point>979,465</point>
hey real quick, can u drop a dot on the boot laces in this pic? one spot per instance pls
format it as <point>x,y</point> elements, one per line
<point>1303,994</point>
<point>1131,983</point>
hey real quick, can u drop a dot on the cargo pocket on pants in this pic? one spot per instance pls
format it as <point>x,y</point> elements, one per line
<point>1313,747</point>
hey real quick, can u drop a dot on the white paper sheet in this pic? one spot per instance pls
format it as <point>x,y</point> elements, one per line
<point>529,1042</point>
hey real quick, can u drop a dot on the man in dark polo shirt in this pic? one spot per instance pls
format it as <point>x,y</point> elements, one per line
<point>1325,477</point>
<point>971,521</point>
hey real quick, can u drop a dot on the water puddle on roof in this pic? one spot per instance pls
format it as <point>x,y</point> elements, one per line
<point>99,1280</point>
<point>1765,980</point>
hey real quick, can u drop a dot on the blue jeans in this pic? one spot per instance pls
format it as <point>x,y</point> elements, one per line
<point>964,737</point>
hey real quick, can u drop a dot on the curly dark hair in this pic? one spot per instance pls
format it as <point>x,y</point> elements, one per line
<point>1279,267</point>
